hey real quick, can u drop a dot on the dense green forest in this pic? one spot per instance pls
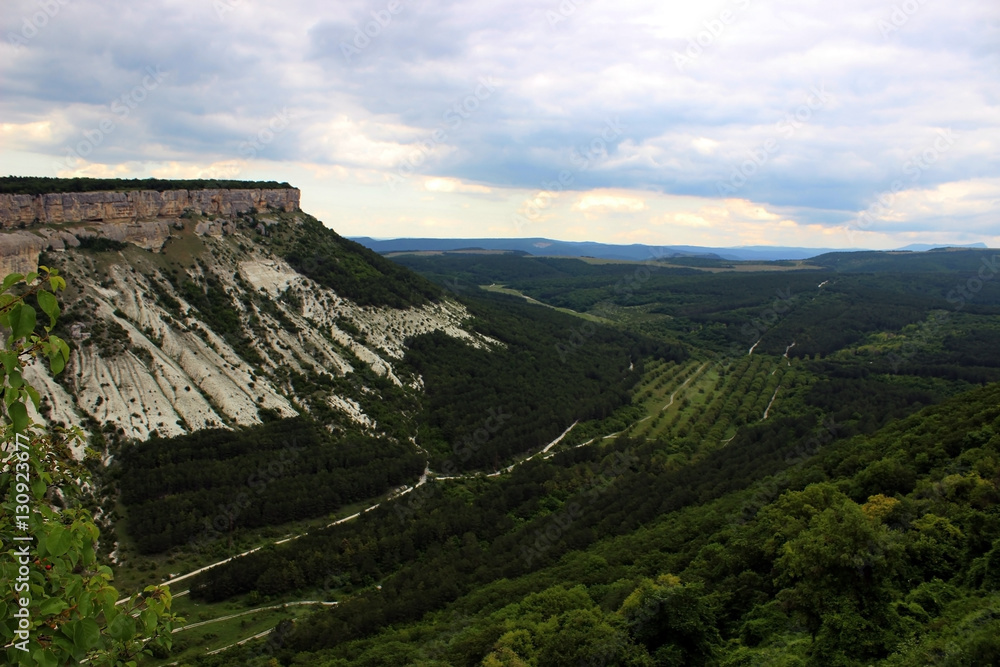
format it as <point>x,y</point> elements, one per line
<point>214,482</point>
<point>40,185</point>
<point>792,545</point>
<point>964,262</point>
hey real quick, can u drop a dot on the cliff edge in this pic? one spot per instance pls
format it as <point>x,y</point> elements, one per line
<point>20,211</point>
<point>141,217</point>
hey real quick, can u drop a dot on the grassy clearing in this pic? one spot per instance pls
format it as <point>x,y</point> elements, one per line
<point>506,290</point>
<point>236,623</point>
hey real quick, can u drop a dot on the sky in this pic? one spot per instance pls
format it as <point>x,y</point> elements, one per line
<point>837,124</point>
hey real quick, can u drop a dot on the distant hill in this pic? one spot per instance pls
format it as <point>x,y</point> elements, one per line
<point>550,247</point>
<point>923,247</point>
<point>634,252</point>
<point>953,259</point>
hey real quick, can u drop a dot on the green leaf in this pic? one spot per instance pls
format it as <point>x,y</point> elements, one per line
<point>148,618</point>
<point>49,304</point>
<point>22,321</point>
<point>36,399</point>
<point>52,606</point>
<point>9,360</point>
<point>86,634</point>
<point>58,354</point>
<point>11,280</point>
<point>107,599</point>
<point>31,277</point>
<point>122,628</point>
<point>38,488</point>
<point>66,645</point>
<point>56,283</point>
<point>85,604</point>
<point>87,555</point>
<point>57,363</point>
<point>19,415</point>
<point>58,541</point>
<point>45,658</point>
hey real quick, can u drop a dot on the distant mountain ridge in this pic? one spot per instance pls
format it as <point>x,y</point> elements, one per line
<point>633,252</point>
<point>544,246</point>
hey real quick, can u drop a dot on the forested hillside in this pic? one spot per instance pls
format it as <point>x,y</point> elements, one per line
<point>172,487</point>
<point>792,546</point>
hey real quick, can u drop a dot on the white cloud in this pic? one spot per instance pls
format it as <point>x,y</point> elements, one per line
<point>454,185</point>
<point>599,202</point>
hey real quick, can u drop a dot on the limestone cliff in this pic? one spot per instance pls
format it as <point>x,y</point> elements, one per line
<point>143,218</point>
<point>27,210</point>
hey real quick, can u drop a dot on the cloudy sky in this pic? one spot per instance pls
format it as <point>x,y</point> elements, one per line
<point>844,123</point>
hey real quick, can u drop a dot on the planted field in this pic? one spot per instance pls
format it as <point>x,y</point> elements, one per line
<point>704,402</point>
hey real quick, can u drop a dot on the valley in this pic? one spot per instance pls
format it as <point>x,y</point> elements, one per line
<point>335,458</point>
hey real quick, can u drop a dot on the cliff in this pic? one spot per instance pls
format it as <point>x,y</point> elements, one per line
<point>143,218</point>
<point>150,352</point>
<point>18,211</point>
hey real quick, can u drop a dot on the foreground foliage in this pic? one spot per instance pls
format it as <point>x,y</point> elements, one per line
<point>60,607</point>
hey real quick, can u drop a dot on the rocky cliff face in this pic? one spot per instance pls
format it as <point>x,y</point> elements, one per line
<point>18,211</point>
<point>146,358</point>
<point>143,218</point>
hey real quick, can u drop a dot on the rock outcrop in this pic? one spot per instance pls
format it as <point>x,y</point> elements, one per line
<point>19,211</point>
<point>19,251</point>
<point>160,366</point>
<point>142,217</point>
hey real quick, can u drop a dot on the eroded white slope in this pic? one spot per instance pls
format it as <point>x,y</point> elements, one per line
<point>174,374</point>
